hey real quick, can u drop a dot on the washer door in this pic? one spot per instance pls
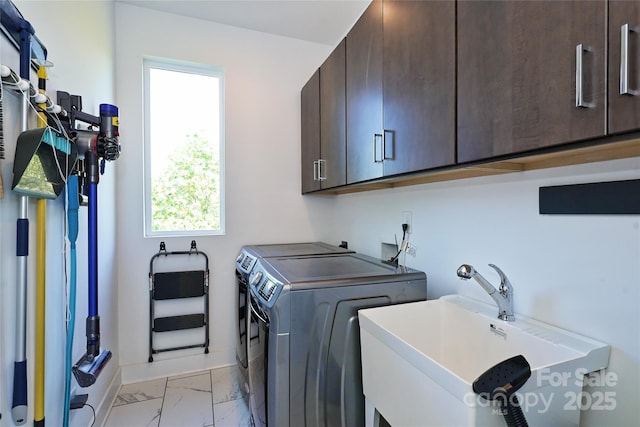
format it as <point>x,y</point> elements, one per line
<point>241,320</point>
<point>258,358</point>
<point>243,330</point>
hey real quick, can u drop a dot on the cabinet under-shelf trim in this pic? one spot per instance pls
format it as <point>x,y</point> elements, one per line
<point>542,159</point>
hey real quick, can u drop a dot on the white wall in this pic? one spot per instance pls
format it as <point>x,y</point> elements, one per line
<point>263,75</point>
<point>579,272</point>
<point>80,44</point>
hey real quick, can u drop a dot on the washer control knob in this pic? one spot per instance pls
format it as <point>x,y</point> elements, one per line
<point>255,279</point>
<point>239,258</point>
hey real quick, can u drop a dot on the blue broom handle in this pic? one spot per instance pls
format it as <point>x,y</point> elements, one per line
<point>26,31</point>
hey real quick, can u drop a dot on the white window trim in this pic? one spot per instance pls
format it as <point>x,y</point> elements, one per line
<point>179,66</point>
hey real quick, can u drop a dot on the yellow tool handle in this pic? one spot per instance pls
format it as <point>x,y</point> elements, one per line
<point>41,272</point>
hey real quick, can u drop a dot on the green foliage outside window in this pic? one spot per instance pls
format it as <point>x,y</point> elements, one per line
<point>186,195</point>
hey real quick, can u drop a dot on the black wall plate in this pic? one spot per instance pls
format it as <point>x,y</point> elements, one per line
<point>601,198</point>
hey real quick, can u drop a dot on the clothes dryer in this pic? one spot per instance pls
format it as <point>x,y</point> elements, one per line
<point>245,261</point>
<point>304,363</point>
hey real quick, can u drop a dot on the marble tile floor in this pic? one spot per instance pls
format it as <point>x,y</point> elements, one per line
<point>200,399</point>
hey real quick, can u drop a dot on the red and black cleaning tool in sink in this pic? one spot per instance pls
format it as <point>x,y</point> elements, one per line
<point>500,383</point>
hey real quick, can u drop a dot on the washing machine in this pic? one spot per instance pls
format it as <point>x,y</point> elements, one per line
<point>304,362</point>
<point>245,261</point>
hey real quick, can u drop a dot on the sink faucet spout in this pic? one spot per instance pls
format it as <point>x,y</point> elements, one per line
<point>503,297</point>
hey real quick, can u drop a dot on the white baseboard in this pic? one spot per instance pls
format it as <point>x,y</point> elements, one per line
<point>84,416</point>
<point>102,411</point>
<point>165,366</point>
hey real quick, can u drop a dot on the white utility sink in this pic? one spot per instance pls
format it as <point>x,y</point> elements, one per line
<point>419,361</point>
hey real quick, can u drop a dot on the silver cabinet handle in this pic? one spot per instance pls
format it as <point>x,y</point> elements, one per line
<point>625,88</point>
<point>322,170</point>
<point>315,170</point>
<point>377,137</point>
<point>580,102</point>
<point>624,60</point>
<point>388,149</point>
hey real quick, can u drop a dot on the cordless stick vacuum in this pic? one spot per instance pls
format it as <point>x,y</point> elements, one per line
<point>87,369</point>
<point>95,148</point>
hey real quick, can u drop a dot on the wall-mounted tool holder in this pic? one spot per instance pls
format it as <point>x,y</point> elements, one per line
<point>178,285</point>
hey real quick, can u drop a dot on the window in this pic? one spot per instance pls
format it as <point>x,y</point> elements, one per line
<point>183,149</point>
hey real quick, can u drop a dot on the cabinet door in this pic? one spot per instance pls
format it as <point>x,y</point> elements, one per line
<point>624,66</point>
<point>517,75</point>
<point>310,138</point>
<point>364,96</point>
<point>333,144</point>
<point>419,84</point>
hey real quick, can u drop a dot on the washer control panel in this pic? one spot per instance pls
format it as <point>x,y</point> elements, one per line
<point>264,286</point>
<point>267,289</point>
<point>245,262</point>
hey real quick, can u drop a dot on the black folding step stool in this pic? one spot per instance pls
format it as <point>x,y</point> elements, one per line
<point>178,285</point>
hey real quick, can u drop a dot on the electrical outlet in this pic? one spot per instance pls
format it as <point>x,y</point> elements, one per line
<point>407,219</point>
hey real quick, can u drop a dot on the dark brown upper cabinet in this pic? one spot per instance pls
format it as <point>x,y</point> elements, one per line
<point>323,125</point>
<point>420,88</point>
<point>418,85</point>
<point>401,89</point>
<point>624,66</point>
<point>310,133</point>
<point>332,167</point>
<point>531,74</point>
<point>364,96</point>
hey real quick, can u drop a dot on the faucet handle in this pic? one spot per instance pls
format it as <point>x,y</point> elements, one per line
<point>504,281</point>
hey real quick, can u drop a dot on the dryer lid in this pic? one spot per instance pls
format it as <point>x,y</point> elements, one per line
<point>295,249</point>
<point>338,270</point>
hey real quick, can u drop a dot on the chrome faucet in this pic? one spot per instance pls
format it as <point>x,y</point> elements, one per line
<point>503,297</point>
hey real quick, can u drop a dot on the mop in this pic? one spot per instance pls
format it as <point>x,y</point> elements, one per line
<point>72,233</point>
